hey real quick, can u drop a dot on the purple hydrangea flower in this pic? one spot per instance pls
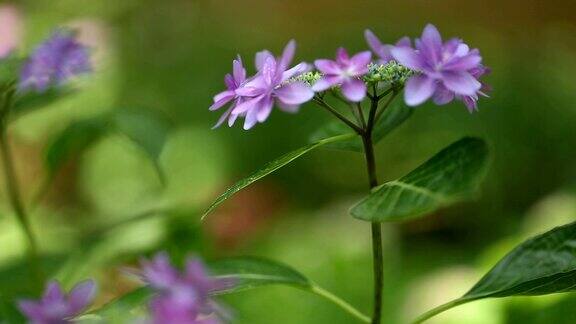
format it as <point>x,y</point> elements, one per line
<point>57,307</point>
<point>383,51</point>
<point>344,71</point>
<point>443,96</point>
<point>233,82</point>
<point>54,62</point>
<point>442,66</point>
<point>256,96</point>
<point>182,297</point>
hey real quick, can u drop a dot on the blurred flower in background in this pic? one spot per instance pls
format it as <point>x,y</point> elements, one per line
<point>11,29</point>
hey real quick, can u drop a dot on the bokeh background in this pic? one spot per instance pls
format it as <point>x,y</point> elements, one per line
<point>170,57</point>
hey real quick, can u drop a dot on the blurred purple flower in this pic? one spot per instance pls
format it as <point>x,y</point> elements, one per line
<point>182,297</point>
<point>56,307</point>
<point>54,62</point>
<point>441,65</point>
<point>233,82</point>
<point>346,72</point>
<point>383,51</point>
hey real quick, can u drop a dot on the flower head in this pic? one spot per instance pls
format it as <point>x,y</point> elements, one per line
<point>443,66</point>
<point>273,84</point>
<point>182,297</point>
<point>57,307</point>
<point>346,72</point>
<point>383,51</point>
<point>233,82</point>
<point>54,62</point>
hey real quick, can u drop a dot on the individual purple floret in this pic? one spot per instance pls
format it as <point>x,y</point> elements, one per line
<point>54,62</point>
<point>182,297</point>
<point>57,307</point>
<point>383,51</point>
<point>443,96</point>
<point>233,82</point>
<point>346,72</point>
<point>447,65</point>
<point>272,85</point>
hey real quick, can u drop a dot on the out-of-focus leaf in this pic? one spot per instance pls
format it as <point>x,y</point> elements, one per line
<point>9,314</point>
<point>271,167</point>
<point>31,100</point>
<point>72,141</point>
<point>393,117</point>
<point>146,128</point>
<point>243,273</point>
<point>9,68</point>
<point>451,175</point>
<point>250,272</point>
<point>542,265</point>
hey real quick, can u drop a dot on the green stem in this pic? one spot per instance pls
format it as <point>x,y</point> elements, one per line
<point>341,303</point>
<point>12,186</point>
<point>435,311</point>
<point>338,115</point>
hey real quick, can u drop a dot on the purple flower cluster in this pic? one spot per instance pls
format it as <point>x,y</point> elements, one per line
<point>182,298</point>
<point>447,70</point>
<point>57,307</point>
<point>435,69</point>
<point>54,62</point>
<point>253,98</point>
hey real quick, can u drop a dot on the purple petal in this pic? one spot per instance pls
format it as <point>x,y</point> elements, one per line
<point>246,106</point>
<point>442,95</point>
<point>82,296</point>
<point>238,71</point>
<point>326,82</point>
<point>261,57</point>
<point>292,109</point>
<point>287,56</point>
<point>296,70</point>
<point>249,91</point>
<point>223,118</point>
<point>327,66</point>
<point>471,103</point>
<point>264,109</point>
<point>374,43</point>
<point>294,93</point>
<point>342,56</point>
<point>159,272</point>
<point>462,83</point>
<point>229,82</point>
<point>221,99</point>
<point>404,42</point>
<point>431,45</point>
<point>251,119</point>
<point>463,63</point>
<point>407,57</point>
<point>32,309</point>
<point>53,292</point>
<point>359,63</point>
<point>354,90</point>
<point>419,89</point>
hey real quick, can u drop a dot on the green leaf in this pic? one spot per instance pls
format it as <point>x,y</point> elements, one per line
<point>393,117</point>
<point>271,167</point>
<point>146,128</point>
<point>542,265</point>
<point>31,100</point>
<point>250,272</point>
<point>124,306</point>
<point>451,175</point>
<point>73,141</point>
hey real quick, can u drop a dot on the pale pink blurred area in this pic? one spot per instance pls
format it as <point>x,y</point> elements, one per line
<point>11,28</point>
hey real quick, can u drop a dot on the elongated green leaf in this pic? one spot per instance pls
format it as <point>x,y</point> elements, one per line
<point>542,265</point>
<point>451,175</point>
<point>393,117</point>
<point>250,272</point>
<point>271,167</point>
<point>120,307</point>
<point>72,141</point>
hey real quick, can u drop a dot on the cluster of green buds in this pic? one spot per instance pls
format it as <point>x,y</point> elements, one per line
<point>309,78</point>
<point>391,73</point>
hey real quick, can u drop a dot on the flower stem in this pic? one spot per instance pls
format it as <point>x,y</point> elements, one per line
<point>442,308</point>
<point>14,192</point>
<point>338,115</point>
<point>341,303</point>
